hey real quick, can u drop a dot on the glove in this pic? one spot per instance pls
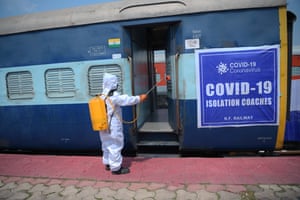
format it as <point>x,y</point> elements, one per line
<point>143,97</point>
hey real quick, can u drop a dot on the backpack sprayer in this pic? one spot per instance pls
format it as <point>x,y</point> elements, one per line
<point>168,78</point>
<point>98,113</point>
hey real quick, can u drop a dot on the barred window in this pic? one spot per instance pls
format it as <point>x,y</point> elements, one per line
<point>95,77</point>
<point>19,85</point>
<point>60,83</point>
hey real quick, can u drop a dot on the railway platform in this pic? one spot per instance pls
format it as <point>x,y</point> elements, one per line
<point>84,177</point>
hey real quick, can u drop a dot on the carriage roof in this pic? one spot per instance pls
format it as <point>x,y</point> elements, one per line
<point>123,10</point>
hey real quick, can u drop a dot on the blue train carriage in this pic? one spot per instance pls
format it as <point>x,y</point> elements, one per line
<point>292,133</point>
<point>227,65</point>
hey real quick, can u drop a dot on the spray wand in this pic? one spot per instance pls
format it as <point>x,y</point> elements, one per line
<point>167,78</point>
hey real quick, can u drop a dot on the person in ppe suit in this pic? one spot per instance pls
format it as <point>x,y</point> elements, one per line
<point>113,138</point>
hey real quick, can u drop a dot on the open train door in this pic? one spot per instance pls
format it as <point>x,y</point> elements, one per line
<point>173,55</point>
<point>153,47</point>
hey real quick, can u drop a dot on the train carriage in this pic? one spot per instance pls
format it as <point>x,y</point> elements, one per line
<point>227,61</point>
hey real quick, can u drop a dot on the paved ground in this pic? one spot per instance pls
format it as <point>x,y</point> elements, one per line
<point>84,177</point>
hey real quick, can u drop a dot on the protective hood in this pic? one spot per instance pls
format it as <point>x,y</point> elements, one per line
<point>110,82</point>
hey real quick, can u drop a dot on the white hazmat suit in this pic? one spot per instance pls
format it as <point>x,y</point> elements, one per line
<point>113,139</point>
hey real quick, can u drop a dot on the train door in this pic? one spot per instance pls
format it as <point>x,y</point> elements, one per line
<point>150,46</point>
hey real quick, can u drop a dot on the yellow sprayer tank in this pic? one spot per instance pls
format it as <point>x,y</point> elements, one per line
<point>98,114</point>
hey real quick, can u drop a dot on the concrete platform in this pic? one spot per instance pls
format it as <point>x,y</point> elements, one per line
<point>38,177</point>
<point>235,170</point>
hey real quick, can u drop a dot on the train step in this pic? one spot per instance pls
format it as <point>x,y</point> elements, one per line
<point>154,127</point>
<point>157,142</point>
<point>158,147</point>
<point>158,138</point>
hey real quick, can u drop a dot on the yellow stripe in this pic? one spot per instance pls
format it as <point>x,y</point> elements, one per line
<point>283,77</point>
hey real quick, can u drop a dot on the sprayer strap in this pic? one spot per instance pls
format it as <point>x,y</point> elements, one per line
<point>119,117</point>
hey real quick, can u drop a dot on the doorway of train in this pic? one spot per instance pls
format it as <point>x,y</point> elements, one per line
<point>151,47</point>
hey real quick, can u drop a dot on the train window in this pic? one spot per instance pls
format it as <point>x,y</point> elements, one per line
<point>60,83</point>
<point>19,85</point>
<point>95,77</point>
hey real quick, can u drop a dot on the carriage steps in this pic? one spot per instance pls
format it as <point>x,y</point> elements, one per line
<point>157,138</point>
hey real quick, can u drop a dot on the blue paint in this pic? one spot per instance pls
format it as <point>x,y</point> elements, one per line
<point>90,42</point>
<point>226,138</point>
<point>50,128</point>
<point>293,127</point>
<point>238,28</point>
<point>59,45</point>
<point>65,126</point>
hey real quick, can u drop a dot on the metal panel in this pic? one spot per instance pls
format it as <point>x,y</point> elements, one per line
<point>19,85</point>
<point>95,77</point>
<point>124,10</point>
<point>60,83</point>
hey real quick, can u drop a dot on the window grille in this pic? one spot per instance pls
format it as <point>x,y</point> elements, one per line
<point>19,85</point>
<point>95,78</point>
<point>60,83</point>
